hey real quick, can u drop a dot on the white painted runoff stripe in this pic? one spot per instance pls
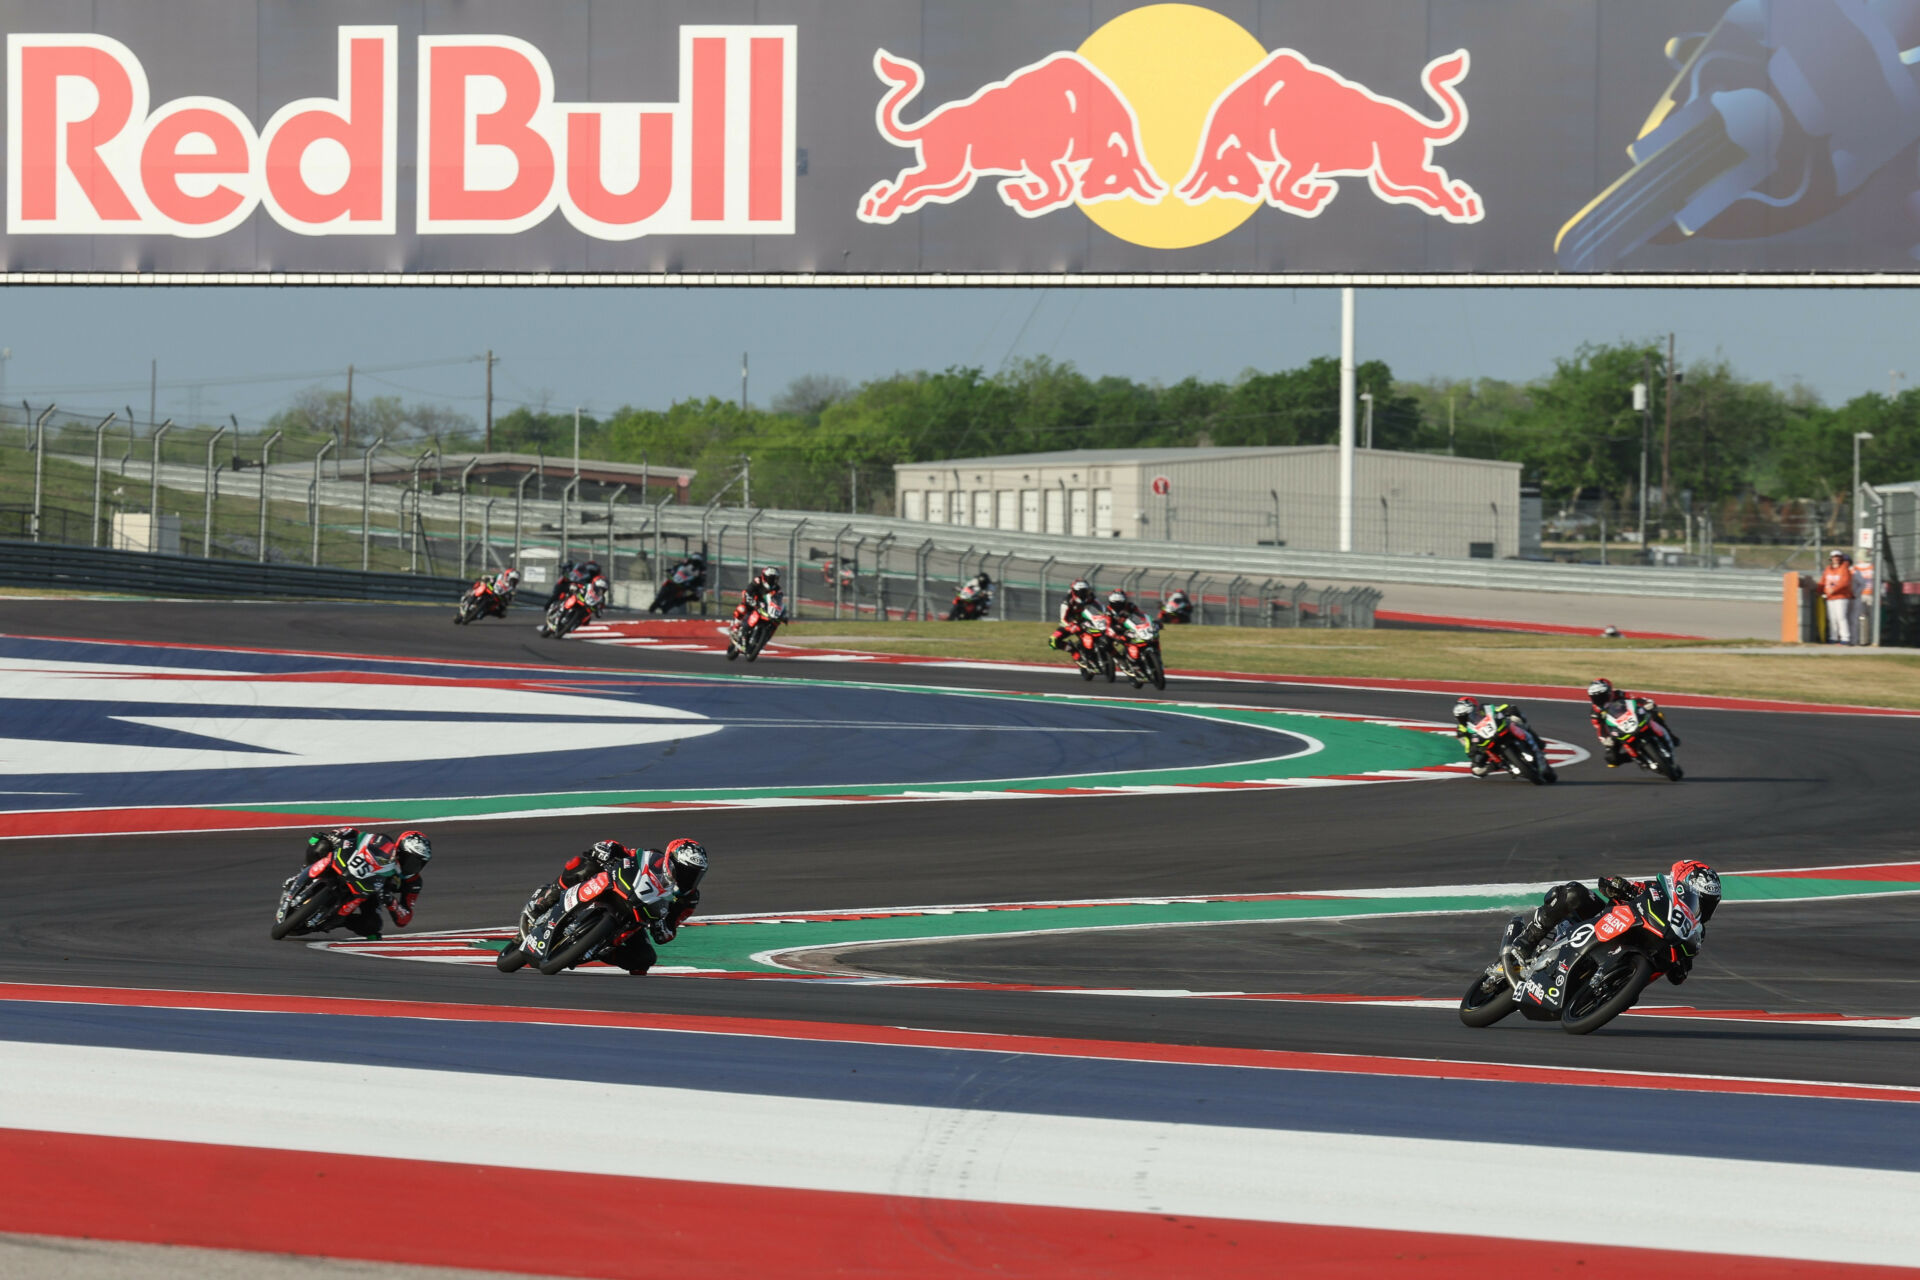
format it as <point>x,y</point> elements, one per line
<point>1811,1212</point>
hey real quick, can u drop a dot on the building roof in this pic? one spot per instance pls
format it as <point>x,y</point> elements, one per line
<point>1197,453</point>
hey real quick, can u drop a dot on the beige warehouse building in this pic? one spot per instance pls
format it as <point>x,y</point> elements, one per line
<point>1404,503</point>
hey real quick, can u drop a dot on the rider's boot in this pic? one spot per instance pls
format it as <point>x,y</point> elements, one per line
<point>1615,757</point>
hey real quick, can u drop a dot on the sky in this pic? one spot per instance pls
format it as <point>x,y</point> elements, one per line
<point>247,351</point>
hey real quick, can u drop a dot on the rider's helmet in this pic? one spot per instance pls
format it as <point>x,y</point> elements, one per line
<point>600,583</point>
<point>1118,600</point>
<point>770,576</point>
<point>1466,708</point>
<point>1601,692</point>
<point>1704,881</point>
<point>1081,589</point>
<point>982,579</point>
<point>416,844</point>
<point>687,859</point>
<point>513,578</point>
<point>1178,597</point>
<point>698,557</point>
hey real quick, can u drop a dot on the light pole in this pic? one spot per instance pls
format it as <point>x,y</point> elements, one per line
<point>153,499</point>
<point>1853,502</point>
<point>99,444</point>
<point>266,451</point>
<point>1346,420</point>
<point>1366,422</point>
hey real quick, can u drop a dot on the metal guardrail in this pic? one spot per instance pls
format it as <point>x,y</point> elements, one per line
<point>42,564</point>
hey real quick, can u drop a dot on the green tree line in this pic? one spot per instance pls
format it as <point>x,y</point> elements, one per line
<point>1575,429</point>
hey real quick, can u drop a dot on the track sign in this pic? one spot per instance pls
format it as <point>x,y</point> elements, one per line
<point>1162,486</point>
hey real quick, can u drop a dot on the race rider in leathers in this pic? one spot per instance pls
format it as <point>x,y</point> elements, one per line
<point>765,583</point>
<point>1574,901</point>
<point>582,573</point>
<point>668,881</point>
<point>1465,712</point>
<point>1600,693</point>
<point>410,849</point>
<point>1176,608</point>
<point>1120,607</point>
<point>695,567</point>
<point>504,584</point>
<point>1080,598</point>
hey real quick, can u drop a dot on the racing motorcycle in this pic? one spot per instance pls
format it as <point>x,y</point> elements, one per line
<point>589,920</point>
<point>1510,743</point>
<point>325,893</point>
<point>480,601</point>
<point>677,591</point>
<point>749,634</point>
<point>1640,736</point>
<point>575,606</point>
<point>1093,646</point>
<point>1586,974</point>
<point>1138,652</point>
<point>970,605</point>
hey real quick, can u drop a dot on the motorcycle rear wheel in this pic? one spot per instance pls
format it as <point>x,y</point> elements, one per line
<point>1481,1008</point>
<point>1588,1008</point>
<point>589,938</point>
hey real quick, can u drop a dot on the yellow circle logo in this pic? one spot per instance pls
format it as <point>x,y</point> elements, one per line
<point>1172,62</point>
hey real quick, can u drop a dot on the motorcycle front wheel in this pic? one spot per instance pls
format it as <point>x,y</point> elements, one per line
<point>511,957</point>
<point>1601,998</point>
<point>1522,763</point>
<point>1487,1001</point>
<point>576,949</point>
<point>1156,670</point>
<point>300,911</point>
<point>1663,762</point>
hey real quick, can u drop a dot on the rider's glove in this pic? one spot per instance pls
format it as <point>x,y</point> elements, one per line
<point>1615,888</point>
<point>401,909</point>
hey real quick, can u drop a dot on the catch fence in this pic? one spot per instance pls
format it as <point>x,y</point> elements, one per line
<point>196,493</point>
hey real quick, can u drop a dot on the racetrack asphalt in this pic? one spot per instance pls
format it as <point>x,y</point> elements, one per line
<point>1763,790</point>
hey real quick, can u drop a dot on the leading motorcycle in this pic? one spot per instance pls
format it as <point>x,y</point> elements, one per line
<point>1510,742</point>
<point>1092,644</point>
<point>589,920</point>
<point>1640,737</point>
<point>749,634</point>
<point>1137,651</point>
<point>1586,974</point>
<point>323,894</point>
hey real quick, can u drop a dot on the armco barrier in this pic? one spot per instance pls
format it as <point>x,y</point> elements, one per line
<point>40,564</point>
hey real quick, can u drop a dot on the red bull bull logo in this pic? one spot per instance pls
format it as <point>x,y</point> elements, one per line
<point>1057,133</point>
<point>1290,125</point>
<point>1173,89</point>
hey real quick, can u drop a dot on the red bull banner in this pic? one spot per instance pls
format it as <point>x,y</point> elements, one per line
<point>884,141</point>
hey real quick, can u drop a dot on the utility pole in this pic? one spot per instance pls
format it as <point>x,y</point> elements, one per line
<point>743,381</point>
<point>153,397</point>
<point>1666,437</point>
<point>853,488</point>
<point>6,354</point>
<point>348,430</point>
<point>576,442</point>
<point>489,448</point>
<point>1643,405</point>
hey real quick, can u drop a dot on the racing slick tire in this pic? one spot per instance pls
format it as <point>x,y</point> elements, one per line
<point>1579,1016</point>
<point>511,957</point>
<point>581,943</point>
<point>1481,1008</point>
<point>324,898</point>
